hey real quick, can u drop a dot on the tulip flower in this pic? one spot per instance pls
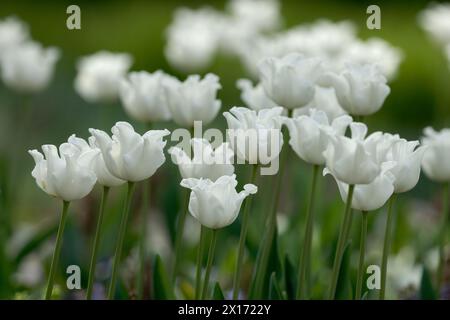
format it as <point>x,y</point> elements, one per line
<point>435,20</point>
<point>260,15</point>
<point>99,75</point>
<point>13,32</point>
<point>207,163</point>
<point>436,167</point>
<point>255,136</point>
<point>66,175</point>
<point>324,100</point>
<point>131,157</point>
<point>254,96</point>
<point>290,81</point>
<point>195,99</point>
<point>349,160</point>
<point>309,135</point>
<point>143,96</point>
<point>360,89</point>
<point>215,205</point>
<point>28,67</point>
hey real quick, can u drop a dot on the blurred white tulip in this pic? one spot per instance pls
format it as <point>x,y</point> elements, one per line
<point>436,21</point>
<point>194,99</point>
<point>143,96</point>
<point>28,67</point>
<point>254,97</point>
<point>128,155</point>
<point>324,100</point>
<point>12,32</point>
<point>260,15</point>
<point>216,204</point>
<point>206,162</point>
<point>435,162</point>
<point>290,81</point>
<point>99,75</point>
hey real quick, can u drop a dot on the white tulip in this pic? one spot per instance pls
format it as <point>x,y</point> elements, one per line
<point>216,204</point>
<point>255,135</point>
<point>128,155</point>
<point>435,163</point>
<point>436,21</point>
<point>99,75</point>
<point>360,89</point>
<point>67,175</point>
<point>91,153</point>
<point>325,100</point>
<point>375,51</point>
<point>12,32</point>
<point>260,15</point>
<point>372,196</point>
<point>192,39</point>
<point>207,163</point>
<point>309,135</point>
<point>143,96</point>
<point>28,67</point>
<point>254,96</point>
<point>348,160</point>
<point>195,99</point>
<point>290,81</point>
<point>408,160</point>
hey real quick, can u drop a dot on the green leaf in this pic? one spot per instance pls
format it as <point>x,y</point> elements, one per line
<point>365,296</point>
<point>427,291</point>
<point>344,290</point>
<point>274,288</point>
<point>162,288</point>
<point>218,293</point>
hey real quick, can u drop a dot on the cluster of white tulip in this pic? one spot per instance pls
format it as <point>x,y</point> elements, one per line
<point>195,36</point>
<point>305,83</point>
<point>25,65</point>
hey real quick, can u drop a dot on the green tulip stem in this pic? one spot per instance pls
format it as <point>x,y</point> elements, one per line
<point>200,255</point>
<point>243,237</point>
<point>386,246</point>
<point>120,239</point>
<point>443,235</point>
<point>57,251</point>
<point>305,256</point>
<point>209,263</point>
<point>342,242</point>
<point>179,234</point>
<point>362,250</point>
<point>146,191</point>
<point>96,243</point>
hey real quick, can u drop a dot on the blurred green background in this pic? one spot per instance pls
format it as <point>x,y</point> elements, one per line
<point>420,97</point>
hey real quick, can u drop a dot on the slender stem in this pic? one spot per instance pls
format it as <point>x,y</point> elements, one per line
<point>212,248</point>
<point>57,252</point>
<point>342,241</point>
<point>243,237</point>
<point>362,250</point>
<point>305,257</point>
<point>179,234</point>
<point>200,254</point>
<point>121,237</point>
<point>386,246</point>
<point>96,243</point>
<point>146,189</point>
<point>443,235</point>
